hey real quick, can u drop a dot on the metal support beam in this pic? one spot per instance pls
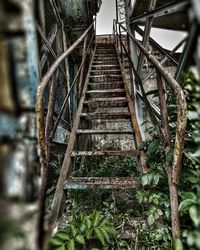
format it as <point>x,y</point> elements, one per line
<point>163,10</point>
<point>157,46</point>
<point>147,30</point>
<point>181,109</point>
<point>188,49</point>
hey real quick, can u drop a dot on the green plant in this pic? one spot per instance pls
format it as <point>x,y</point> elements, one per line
<point>82,231</point>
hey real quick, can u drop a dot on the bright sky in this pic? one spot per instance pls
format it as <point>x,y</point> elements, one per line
<point>105,17</point>
<point>166,38</point>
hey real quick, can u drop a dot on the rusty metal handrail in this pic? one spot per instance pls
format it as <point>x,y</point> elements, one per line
<point>181,107</point>
<point>41,88</point>
<point>70,90</point>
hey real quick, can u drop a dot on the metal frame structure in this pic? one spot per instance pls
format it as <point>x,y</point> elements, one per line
<point>165,134</point>
<point>63,72</point>
<point>163,78</point>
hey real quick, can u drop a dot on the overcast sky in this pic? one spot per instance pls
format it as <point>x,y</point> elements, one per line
<point>167,39</point>
<point>105,17</point>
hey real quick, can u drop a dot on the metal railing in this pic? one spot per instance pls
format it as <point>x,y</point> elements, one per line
<point>46,128</point>
<point>173,169</point>
<point>169,80</point>
<point>45,82</point>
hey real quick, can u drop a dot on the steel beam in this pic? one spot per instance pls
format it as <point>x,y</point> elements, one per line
<point>147,30</point>
<point>163,10</point>
<point>188,49</point>
<point>157,46</point>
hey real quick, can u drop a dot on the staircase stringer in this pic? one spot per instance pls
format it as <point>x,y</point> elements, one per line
<point>134,121</point>
<point>67,159</point>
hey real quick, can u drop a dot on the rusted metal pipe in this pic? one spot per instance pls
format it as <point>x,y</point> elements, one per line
<point>69,91</point>
<point>50,49</point>
<point>40,94</point>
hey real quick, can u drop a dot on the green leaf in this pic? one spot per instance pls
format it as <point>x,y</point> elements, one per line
<point>195,215</point>
<point>151,219</point>
<point>177,245</point>
<point>73,230</point>
<point>186,204</point>
<point>88,234</point>
<point>105,234</point>
<point>95,218</point>
<point>88,222</point>
<point>102,222</point>
<point>99,236</point>
<point>146,179</point>
<point>155,179</point>
<point>83,228</point>
<point>62,236</point>
<point>71,245</point>
<point>159,211</point>
<point>188,195</point>
<point>80,239</point>
<point>61,247</point>
<point>110,230</point>
<point>106,204</point>
<point>152,147</point>
<point>56,241</point>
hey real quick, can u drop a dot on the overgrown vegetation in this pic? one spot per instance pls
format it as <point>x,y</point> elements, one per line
<point>143,214</point>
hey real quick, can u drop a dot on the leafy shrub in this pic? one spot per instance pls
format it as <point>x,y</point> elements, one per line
<point>82,231</point>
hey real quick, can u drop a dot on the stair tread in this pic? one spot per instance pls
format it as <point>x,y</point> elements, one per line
<point>104,65</point>
<point>109,70</point>
<point>107,153</point>
<point>106,91</point>
<point>100,83</point>
<point>106,113</point>
<point>104,131</point>
<point>103,75</point>
<point>102,183</point>
<point>111,99</point>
